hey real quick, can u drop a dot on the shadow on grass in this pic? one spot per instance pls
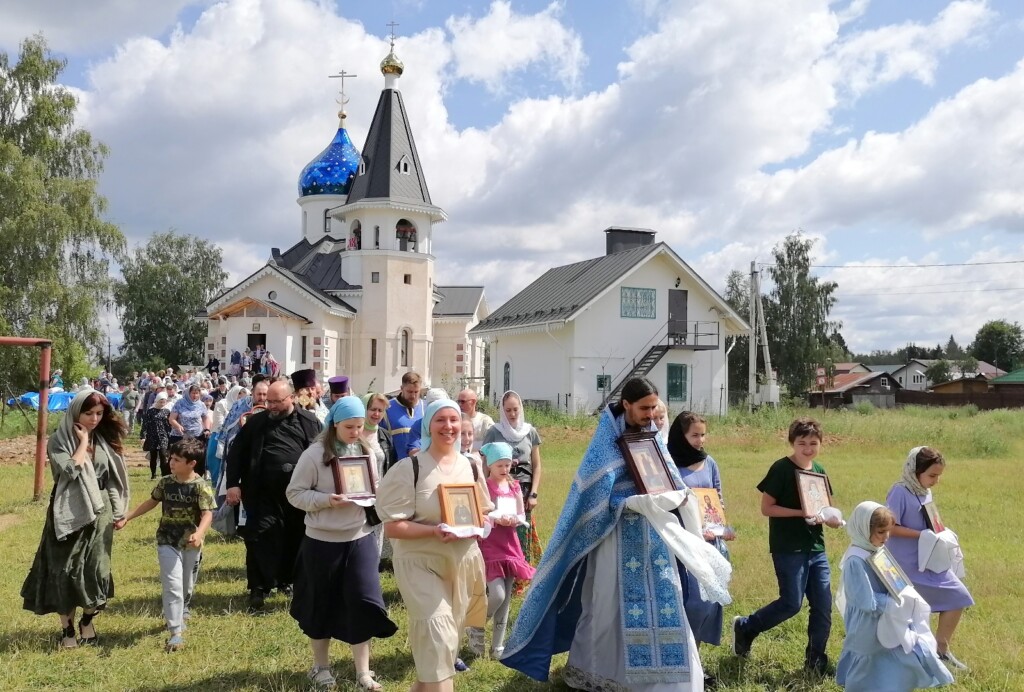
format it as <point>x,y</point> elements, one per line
<point>20,641</point>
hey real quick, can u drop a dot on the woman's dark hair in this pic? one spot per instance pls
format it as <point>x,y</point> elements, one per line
<point>111,427</point>
<point>927,458</point>
<point>196,388</point>
<point>633,391</point>
<point>687,418</point>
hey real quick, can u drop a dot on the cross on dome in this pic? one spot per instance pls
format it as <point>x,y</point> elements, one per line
<point>342,100</point>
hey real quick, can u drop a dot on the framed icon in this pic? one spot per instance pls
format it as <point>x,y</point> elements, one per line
<point>353,477</point>
<point>460,505</point>
<point>709,504</point>
<point>932,518</point>
<point>889,571</point>
<point>815,492</point>
<point>646,463</point>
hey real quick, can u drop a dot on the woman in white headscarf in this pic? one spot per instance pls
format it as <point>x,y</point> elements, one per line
<point>71,569</point>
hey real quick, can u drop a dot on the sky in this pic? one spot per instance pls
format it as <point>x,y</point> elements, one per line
<point>891,133</point>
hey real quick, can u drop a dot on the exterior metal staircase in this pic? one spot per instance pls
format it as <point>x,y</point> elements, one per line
<point>643,366</point>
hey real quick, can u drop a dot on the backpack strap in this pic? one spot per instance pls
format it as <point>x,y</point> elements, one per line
<point>416,470</point>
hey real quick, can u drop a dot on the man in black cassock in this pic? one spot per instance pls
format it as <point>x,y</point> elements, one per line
<point>259,468</point>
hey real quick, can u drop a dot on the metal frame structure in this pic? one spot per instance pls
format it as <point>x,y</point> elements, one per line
<point>45,347</point>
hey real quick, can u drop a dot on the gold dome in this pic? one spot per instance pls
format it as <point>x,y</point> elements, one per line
<point>391,64</point>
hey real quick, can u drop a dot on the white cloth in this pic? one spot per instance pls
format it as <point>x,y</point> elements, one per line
<point>940,552</point>
<point>905,623</point>
<point>700,558</point>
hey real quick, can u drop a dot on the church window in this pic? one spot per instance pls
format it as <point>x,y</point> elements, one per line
<point>223,340</point>
<point>316,353</point>
<point>376,237</point>
<point>405,231</point>
<point>316,340</point>
<point>209,347</point>
<point>637,302</point>
<point>327,221</point>
<point>373,353</point>
<point>405,348</point>
<point>676,389</point>
<point>507,378</point>
<point>223,353</point>
<point>459,358</point>
<point>374,277</point>
<point>604,383</point>
<point>458,369</point>
<point>355,237</point>
<point>362,165</point>
<point>403,165</point>
<point>459,347</point>
<point>407,278</point>
<point>302,354</point>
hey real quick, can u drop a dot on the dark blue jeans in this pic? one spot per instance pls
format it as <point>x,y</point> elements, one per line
<point>799,574</point>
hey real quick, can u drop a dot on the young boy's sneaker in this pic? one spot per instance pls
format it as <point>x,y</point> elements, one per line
<point>741,641</point>
<point>175,643</point>
<point>460,666</point>
<point>950,660</point>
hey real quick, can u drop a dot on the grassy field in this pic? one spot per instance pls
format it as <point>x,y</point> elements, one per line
<point>227,649</point>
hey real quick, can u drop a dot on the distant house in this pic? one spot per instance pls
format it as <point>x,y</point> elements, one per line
<point>1009,383</point>
<point>845,368</point>
<point>909,375</point>
<point>987,370</point>
<point>848,389</point>
<point>577,333</point>
<point>964,385</point>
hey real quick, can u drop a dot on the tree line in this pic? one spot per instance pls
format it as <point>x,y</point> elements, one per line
<point>59,253</point>
<point>803,336</point>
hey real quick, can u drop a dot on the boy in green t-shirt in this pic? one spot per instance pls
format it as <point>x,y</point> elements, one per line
<point>797,545</point>
<point>188,505</point>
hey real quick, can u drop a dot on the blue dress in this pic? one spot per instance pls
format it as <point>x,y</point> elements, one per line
<point>865,665</point>
<point>705,617</point>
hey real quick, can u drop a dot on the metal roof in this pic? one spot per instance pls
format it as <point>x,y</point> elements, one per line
<point>1014,377</point>
<point>458,300</point>
<point>389,144</point>
<point>561,291</point>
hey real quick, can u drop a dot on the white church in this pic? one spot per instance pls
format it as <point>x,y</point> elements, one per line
<point>356,295</point>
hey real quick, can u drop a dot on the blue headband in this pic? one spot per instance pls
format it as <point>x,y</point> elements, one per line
<point>496,451</point>
<point>344,408</point>
<point>432,410</point>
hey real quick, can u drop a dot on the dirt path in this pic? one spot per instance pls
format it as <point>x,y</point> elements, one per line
<point>22,450</point>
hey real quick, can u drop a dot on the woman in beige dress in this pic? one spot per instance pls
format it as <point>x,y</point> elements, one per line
<point>440,576</point>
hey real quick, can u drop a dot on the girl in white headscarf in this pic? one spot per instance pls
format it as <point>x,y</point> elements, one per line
<point>866,663</point>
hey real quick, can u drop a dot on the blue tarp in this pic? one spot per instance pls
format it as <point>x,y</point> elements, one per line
<point>57,401</point>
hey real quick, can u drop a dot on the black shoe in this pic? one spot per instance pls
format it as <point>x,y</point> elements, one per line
<point>257,600</point>
<point>285,590</point>
<point>710,681</point>
<point>817,665</point>
<point>741,641</point>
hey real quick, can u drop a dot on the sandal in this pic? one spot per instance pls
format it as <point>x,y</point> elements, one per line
<point>86,621</point>
<point>366,681</point>
<point>322,678</point>
<point>67,637</point>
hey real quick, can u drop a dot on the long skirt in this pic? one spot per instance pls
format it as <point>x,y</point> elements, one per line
<point>337,591</point>
<point>72,573</point>
<point>529,541</point>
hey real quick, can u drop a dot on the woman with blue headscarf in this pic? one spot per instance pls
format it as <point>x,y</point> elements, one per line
<point>440,576</point>
<point>337,587</point>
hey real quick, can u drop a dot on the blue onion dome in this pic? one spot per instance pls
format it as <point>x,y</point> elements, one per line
<point>332,171</point>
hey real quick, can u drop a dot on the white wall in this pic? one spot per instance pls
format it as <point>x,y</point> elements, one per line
<point>539,365</point>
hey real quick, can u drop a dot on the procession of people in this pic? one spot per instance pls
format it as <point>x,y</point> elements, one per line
<point>632,581</point>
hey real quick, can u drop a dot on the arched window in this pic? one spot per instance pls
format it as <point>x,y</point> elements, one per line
<point>355,236</point>
<point>404,351</point>
<point>327,221</point>
<point>507,379</point>
<point>405,231</point>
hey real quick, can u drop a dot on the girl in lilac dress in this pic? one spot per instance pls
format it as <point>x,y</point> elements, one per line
<point>943,591</point>
<point>503,555</point>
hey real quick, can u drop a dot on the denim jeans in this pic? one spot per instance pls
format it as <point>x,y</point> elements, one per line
<point>799,574</point>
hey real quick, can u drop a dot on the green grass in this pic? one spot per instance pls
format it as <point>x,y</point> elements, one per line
<point>227,649</point>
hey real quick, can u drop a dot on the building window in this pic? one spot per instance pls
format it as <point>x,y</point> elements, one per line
<point>209,346</point>
<point>223,353</point>
<point>458,369</point>
<point>460,347</point>
<point>316,340</point>
<point>637,303</point>
<point>316,353</point>
<point>303,351</point>
<point>407,278</point>
<point>362,165</point>
<point>223,340</point>
<point>405,348</point>
<point>376,237</point>
<point>507,377</point>
<point>900,378</point>
<point>676,389</point>
<point>604,383</point>
<point>327,221</point>
<point>884,382</point>
<point>918,379</point>
<point>374,277</point>
<point>373,353</point>
<point>458,358</point>
<point>316,365</point>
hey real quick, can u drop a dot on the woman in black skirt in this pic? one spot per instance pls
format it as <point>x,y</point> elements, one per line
<point>71,569</point>
<point>337,586</point>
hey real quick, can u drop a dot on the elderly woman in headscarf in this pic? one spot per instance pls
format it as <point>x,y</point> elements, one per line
<point>379,441</point>
<point>526,468</point>
<point>440,576</point>
<point>71,569</point>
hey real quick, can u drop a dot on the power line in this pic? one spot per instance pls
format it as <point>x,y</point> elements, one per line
<point>902,266</point>
<point>931,293</point>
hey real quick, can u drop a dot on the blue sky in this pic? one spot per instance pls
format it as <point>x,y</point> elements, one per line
<point>891,132</point>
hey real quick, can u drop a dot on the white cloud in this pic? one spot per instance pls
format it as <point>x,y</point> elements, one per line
<point>209,129</point>
<point>490,48</point>
<point>84,26</point>
<point>880,56</point>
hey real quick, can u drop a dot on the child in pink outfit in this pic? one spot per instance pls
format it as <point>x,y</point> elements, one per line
<point>502,553</point>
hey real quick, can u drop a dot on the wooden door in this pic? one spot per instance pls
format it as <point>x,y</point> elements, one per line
<point>677,315</point>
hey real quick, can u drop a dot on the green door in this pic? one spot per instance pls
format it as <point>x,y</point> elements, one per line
<point>676,389</point>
